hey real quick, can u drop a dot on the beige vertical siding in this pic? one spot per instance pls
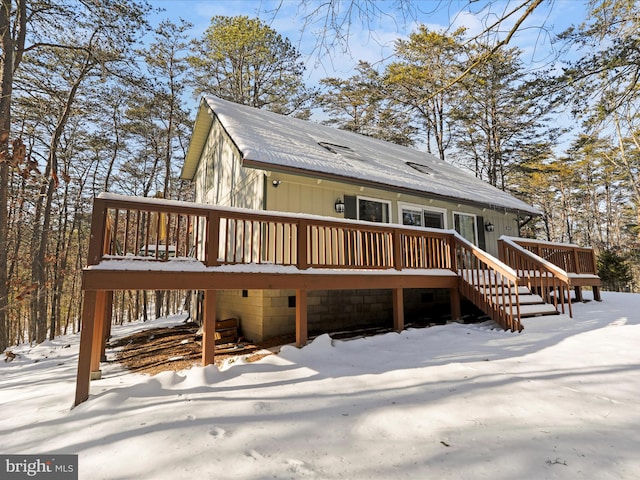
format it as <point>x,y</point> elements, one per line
<point>220,179</point>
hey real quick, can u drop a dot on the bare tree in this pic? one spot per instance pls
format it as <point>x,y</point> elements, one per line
<point>13,23</point>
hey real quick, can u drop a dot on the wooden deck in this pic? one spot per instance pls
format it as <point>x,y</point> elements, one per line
<point>151,244</point>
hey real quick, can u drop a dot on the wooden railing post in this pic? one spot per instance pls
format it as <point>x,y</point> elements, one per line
<point>86,344</point>
<point>453,252</point>
<point>576,260</point>
<point>501,251</point>
<point>98,240</point>
<point>397,249</point>
<point>108,316</point>
<point>398,309</point>
<point>302,240</point>
<point>98,334</point>
<point>212,242</point>
<point>209,328</point>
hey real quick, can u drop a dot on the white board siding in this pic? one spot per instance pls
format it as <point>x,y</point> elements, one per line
<point>220,178</point>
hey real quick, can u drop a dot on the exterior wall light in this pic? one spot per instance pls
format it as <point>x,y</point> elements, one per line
<point>488,227</point>
<point>339,206</point>
<point>275,183</point>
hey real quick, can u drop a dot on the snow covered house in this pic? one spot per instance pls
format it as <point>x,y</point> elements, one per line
<point>245,157</point>
<point>299,228</point>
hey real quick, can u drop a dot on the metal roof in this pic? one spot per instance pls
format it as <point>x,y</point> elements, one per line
<point>276,142</point>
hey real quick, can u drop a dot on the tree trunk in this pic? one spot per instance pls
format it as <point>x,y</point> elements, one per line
<point>11,48</point>
<point>40,242</point>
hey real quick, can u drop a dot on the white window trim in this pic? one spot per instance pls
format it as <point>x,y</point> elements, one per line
<point>371,199</point>
<point>416,206</point>
<point>475,223</point>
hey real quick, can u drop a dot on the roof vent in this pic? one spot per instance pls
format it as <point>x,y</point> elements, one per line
<point>421,168</point>
<point>340,150</point>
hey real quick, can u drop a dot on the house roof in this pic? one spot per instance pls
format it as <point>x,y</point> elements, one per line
<point>274,142</point>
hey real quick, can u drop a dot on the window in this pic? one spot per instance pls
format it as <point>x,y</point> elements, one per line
<point>411,217</point>
<point>373,210</point>
<point>420,217</point>
<point>433,219</point>
<point>465,225</point>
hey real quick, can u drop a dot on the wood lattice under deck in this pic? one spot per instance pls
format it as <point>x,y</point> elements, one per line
<point>151,244</point>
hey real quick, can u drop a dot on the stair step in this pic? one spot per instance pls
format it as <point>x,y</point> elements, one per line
<point>537,310</point>
<point>531,299</point>
<point>528,299</point>
<point>531,305</point>
<point>494,290</point>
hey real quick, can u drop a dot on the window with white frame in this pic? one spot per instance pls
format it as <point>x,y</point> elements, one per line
<point>465,225</point>
<point>373,210</point>
<point>422,217</point>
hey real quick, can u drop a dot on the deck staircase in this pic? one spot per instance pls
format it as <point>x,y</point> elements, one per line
<point>532,278</point>
<point>497,290</point>
<point>531,305</point>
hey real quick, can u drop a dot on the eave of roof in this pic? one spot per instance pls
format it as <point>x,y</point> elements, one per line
<point>382,186</point>
<point>201,129</point>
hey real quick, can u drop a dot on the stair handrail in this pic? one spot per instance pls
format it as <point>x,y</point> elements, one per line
<point>488,283</point>
<point>538,272</point>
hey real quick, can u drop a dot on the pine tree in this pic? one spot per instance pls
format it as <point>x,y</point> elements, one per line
<point>76,47</point>
<point>423,79</point>
<point>360,104</point>
<point>614,270</point>
<point>245,61</point>
<point>498,117</point>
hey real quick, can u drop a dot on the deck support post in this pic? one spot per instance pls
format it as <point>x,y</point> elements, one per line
<point>454,298</point>
<point>301,318</point>
<point>578,292</point>
<point>209,328</point>
<point>398,310</point>
<point>97,341</point>
<point>86,342</point>
<point>596,294</point>
<point>106,330</point>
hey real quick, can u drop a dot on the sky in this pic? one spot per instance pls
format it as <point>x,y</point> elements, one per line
<point>453,402</point>
<point>372,36</point>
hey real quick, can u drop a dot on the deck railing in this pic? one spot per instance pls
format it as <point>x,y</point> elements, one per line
<point>124,228</point>
<point>161,230</point>
<point>570,258</point>
<point>542,275</point>
<point>489,284</point>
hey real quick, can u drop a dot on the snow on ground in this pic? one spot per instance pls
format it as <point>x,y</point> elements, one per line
<point>558,401</point>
